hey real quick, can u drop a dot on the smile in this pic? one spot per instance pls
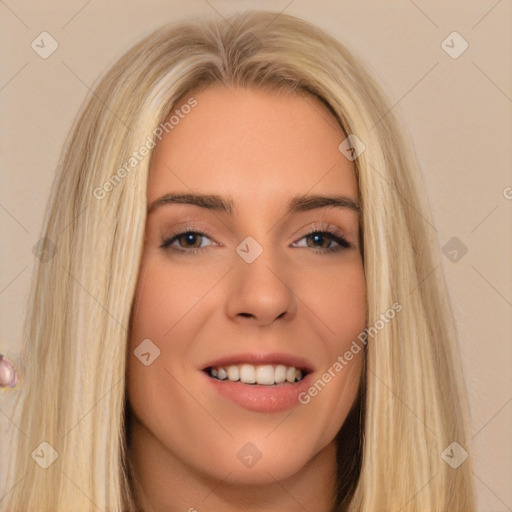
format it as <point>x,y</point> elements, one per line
<point>266,375</point>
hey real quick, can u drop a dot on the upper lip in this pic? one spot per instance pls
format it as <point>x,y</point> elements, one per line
<point>256,358</point>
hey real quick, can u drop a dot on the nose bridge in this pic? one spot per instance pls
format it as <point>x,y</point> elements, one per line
<point>259,285</point>
<point>260,263</point>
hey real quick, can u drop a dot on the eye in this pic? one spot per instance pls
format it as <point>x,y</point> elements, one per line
<point>324,238</point>
<point>186,241</point>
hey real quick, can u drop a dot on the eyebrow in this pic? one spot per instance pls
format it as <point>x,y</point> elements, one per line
<point>300,203</point>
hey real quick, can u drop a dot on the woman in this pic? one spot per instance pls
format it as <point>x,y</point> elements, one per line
<point>240,310</point>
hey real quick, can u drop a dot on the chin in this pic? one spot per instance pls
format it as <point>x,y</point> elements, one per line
<point>261,462</point>
<point>267,470</point>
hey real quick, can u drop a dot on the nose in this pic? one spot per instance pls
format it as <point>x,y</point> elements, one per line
<point>260,292</point>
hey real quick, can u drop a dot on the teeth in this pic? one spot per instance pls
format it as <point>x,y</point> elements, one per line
<point>247,374</point>
<point>266,375</point>
<point>233,373</point>
<point>280,375</point>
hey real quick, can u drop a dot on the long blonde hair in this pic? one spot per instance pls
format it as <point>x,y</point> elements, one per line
<point>75,341</point>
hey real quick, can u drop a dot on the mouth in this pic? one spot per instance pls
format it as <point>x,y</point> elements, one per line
<point>264,375</point>
<point>259,382</point>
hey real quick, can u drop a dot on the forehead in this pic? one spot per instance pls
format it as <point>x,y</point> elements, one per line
<point>251,144</point>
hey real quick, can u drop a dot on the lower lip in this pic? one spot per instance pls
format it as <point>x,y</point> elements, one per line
<point>260,398</point>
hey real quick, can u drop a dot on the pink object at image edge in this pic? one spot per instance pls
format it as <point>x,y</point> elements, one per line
<point>8,375</point>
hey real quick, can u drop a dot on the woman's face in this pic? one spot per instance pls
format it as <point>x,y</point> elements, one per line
<point>253,290</point>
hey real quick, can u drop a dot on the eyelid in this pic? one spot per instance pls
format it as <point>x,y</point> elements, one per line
<point>180,229</point>
<point>186,226</point>
<point>320,226</point>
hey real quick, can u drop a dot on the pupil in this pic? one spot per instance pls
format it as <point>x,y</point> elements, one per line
<point>190,238</point>
<point>317,237</point>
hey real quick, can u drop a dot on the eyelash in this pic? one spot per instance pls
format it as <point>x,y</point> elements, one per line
<point>318,229</point>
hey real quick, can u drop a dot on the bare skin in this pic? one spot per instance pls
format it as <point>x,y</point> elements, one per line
<point>261,149</point>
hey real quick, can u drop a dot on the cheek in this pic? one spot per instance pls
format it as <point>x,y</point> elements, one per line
<point>159,323</point>
<point>164,296</point>
<point>346,304</point>
<point>157,308</point>
<point>339,299</point>
<point>341,303</point>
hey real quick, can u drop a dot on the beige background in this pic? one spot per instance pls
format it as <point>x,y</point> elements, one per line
<point>457,112</point>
